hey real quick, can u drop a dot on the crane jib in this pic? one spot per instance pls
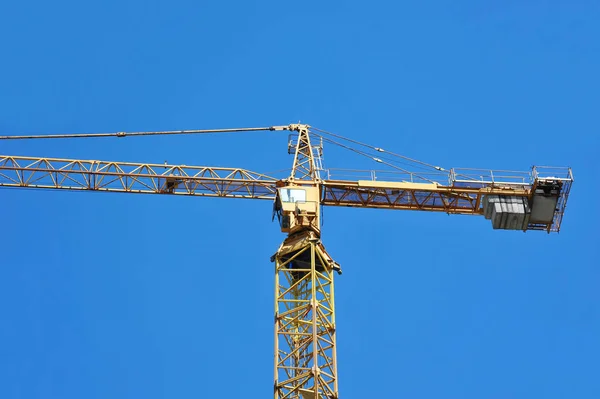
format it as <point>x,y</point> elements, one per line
<point>305,328</point>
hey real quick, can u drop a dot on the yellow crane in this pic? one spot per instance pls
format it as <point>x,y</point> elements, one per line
<point>305,364</point>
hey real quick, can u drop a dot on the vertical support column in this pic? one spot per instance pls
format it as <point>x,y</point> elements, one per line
<point>305,359</point>
<point>304,166</point>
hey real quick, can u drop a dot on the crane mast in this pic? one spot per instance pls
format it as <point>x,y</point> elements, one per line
<point>305,343</point>
<point>305,362</point>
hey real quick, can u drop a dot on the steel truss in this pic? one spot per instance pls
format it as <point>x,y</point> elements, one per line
<point>146,178</point>
<point>305,161</point>
<point>72,174</point>
<point>305,357</point>
<point>305,331</point>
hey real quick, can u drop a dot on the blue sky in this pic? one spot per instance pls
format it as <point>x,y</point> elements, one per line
<point>127,296</point>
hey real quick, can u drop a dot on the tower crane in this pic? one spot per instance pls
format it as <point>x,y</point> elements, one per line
<point>305,364</point>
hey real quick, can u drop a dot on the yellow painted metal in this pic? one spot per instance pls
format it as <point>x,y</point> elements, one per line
<point>411,196</point>
<point>397,185</point>
<point>304,166</point>
<point>144,178</point>
<point>305,362</point>
<point>305,358</point>
<point>298,207</point>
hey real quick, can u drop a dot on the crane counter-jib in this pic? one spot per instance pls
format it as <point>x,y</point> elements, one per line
<point>536,205</point>
<point>408,195</point>
<point>305,363</point>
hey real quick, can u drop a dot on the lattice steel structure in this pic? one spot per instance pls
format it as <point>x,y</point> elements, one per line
<point>305,357</point>
<point>305,331</point>
<point>306,157</point>
<point>128,177</point>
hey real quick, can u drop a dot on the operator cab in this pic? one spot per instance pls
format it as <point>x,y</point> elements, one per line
<point>297,208</point>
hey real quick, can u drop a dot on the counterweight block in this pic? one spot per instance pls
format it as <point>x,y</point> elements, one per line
<point>541,209</point>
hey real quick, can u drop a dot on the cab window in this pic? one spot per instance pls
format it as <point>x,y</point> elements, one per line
<point>292,195</point>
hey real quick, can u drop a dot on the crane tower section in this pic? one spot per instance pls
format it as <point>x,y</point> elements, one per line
<point>305,362</point>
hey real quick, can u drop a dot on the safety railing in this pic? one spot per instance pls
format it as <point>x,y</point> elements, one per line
<point>480,178</point>
<point>386,175</point>
<point>558,173</point>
